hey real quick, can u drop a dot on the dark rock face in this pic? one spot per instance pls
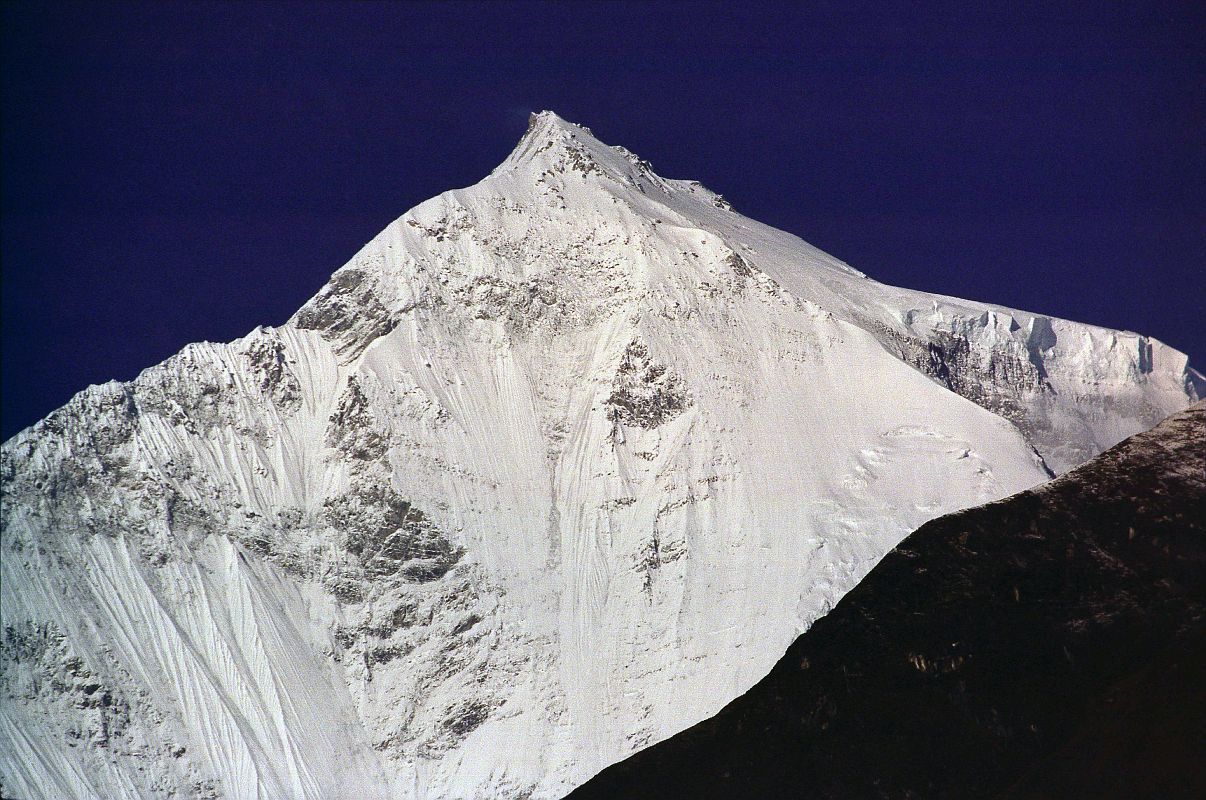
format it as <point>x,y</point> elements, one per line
<point>998,379</point>
<point>269,360</point>
<point>347,312</point>
<point>645,394</point>
<point>1049,645</point>
<point>390,537</point>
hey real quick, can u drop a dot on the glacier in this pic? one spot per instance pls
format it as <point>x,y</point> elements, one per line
<point>556,466</point>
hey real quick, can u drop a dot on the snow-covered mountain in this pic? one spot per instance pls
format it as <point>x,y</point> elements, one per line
<point>554,467</point>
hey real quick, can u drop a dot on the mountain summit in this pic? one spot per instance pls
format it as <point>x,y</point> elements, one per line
<point>552,145</point>
<point>556,466</point>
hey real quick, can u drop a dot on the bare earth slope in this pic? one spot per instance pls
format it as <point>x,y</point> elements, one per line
<point>556,466</point>
<point>1048,645</point>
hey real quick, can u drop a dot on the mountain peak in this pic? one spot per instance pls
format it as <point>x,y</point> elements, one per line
<point>547,132</point>
<point>546,126</point>
<point>558,145</point>
<point>551,118</point>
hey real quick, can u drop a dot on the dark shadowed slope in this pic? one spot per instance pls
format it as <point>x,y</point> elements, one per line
<point>1048,645</point>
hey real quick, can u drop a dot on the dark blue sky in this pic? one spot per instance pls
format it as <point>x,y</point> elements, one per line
<point>178,172</point>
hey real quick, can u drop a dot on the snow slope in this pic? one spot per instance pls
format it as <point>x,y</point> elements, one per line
<point>556,466</point>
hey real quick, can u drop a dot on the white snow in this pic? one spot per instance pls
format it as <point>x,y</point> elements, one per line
<point>633,443</point>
